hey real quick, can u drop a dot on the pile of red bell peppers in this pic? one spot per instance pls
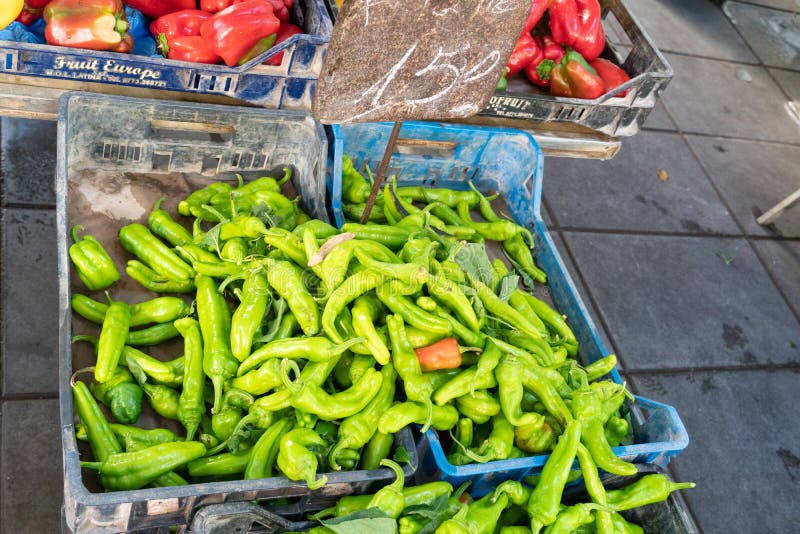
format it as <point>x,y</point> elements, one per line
<point>200,31</point>
<point>563,55</point>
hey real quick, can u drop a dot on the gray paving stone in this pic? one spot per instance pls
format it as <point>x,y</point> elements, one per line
<point>30,302</point>
<point>690,26</point>
<point>684,302</point>
<point>789,5</point>
<point>774,35</point>
<point>576,278</point>
<point>719,98</point>
<point>28,160</point>
<point>626,192</point>
<point>789,82</point>
<point>744,453</point>
<point>753,177</point>
<point>783,261</point>
<point>31,467</point>
<point>658,118</point>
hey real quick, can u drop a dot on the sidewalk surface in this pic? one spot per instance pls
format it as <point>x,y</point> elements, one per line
<point>701,304</point>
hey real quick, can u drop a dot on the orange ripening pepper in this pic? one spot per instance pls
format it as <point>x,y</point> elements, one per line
<point>443,354</point>
<point>90,24</point>
<point>573,77</point>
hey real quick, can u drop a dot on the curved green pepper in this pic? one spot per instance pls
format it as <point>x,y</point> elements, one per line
<point>248,316</point>
<point>314,349</point>
<point>137,239</point>
<point>265,451</point>
<point>390,499</point>
<point>162,224</point>
<point>649,489</point>
<point>191,405</point>
<point>296,461</point>
<point>121,394</point>
<point>311,398</point>
<point>95,267</point>
<point>112,340</point>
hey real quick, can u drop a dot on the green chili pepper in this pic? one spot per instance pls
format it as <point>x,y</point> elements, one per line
<point>622,526</point>
<point>616,430</point>
<point>112,340</point>
<point>366,311</point>
<point>487,363</point>
<point>353,287</point>
<point>137,239</point>
<point>320,229</point>
<point>587,408</point>
<point>509,380</point>
<point>536,438</point>
<point>95,267</point>
<point>355,189</point>
<point>226,421</point>
<point>121,394</point>
<point>594,487</point>
<point>515,530</point>
<point>390,499</point>
<point>389,294</point>
<point>160,372</point>
<point>546,496</point>
<point>163,399</point>
<point>191,253</point>
<point>193,203</point>
<point>403,414</point>
<point>261,380</point>
<point>378,448</point>
<point>555,322</point>
<point>133,470</point>
<point>479,406</point>
<point>413,496</point>
<point>356,430</point>
<point>499,230</point>
<point>248,316</point>
<point>191,405</point>
<point>393,237</point>
<point>462,384</point>
<point>497,446</point>
<point>520,253</point>
<point>153,335</point>
<point>449,294</point>
<point>288,243</point>
<point>535,380</point>
<point>265,451</point>
<point>155,282</point>
<point>223,464</point>
<point>101,437</point>
<point>158,310</point>
<point>162,224</point>
<point>457,524</point>
<point>601,367</point>
<point>287,281</point>
<point>406,363</point>
<point>518,494</point>
<point>219,364</point>
<point>134,438</point>
<point>464,433</point>
<point>649,489</point>
<point>311,398</point>
<point>315,349</point>
<point>504,311</point>
<point>483,514</point>
<point>296,461</point>
<point>234,250</point>
<point>573,517</point>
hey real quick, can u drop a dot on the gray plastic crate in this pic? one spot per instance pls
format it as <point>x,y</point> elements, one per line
<point>116,156</point>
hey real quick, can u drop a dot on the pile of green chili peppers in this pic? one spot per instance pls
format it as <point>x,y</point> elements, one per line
<point>512,508</point>
<point>300,346</point>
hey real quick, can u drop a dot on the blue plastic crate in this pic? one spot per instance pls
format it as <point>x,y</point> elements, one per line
<point>290,85</point>
<point>510,163</point>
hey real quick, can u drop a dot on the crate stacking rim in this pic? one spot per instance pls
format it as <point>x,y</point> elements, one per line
<point>510,163</point>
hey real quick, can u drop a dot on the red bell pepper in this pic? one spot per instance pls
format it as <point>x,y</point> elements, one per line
<point>91,24</point>
<point>578,24</point>
<point>237,33</point>
<point>612,75</point>
<point>539,73</point>
<point>443,354</point>
<point>279,7</point>
<point>32,10</point>
<point>158,8</point>
<point>286,30</point>
<point>573,77</point>
<point>179,24</point>
<point>538,7</point>
<point>187,48</point>
<point>525,52</point>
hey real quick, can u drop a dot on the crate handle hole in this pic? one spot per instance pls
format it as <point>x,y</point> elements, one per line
<point>426,147</point>
<point>161,161</point>
<point>210,165</point>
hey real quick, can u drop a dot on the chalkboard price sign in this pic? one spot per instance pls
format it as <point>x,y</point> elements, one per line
<point>426,59</point>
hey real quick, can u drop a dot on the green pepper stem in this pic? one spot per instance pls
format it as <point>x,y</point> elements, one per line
<point>429,418</point>
<point>287,175</point>
<point>92,465</point>
<point>398,471</point>
<point>322,514</point>
<point>334,453</point>
<point>74,232</point>
<point>318,483</point>
<point>157,205</point>
<point>286,364</point>
<point>675,486</point>
<point>79,372</point>
<point>347,344</point>
<point>83,337</point>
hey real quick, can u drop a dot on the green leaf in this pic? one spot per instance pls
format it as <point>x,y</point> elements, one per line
<point>508,284</point>
<point>432,510</point>
<point>369,521</point>
<point>401,456</point>
<point>211,239</point>
<point>474,260</point>
<point>136,370</point>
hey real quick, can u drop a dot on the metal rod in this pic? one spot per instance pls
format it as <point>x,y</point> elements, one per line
<point>387,155</point>
<point>774,212</point>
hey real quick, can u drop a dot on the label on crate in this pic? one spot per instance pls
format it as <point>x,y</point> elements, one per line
<point>104,70</point>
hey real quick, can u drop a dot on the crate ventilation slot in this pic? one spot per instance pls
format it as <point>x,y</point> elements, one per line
<point>212,83</point>
<point>10,61</point>
<point>121,151</point>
